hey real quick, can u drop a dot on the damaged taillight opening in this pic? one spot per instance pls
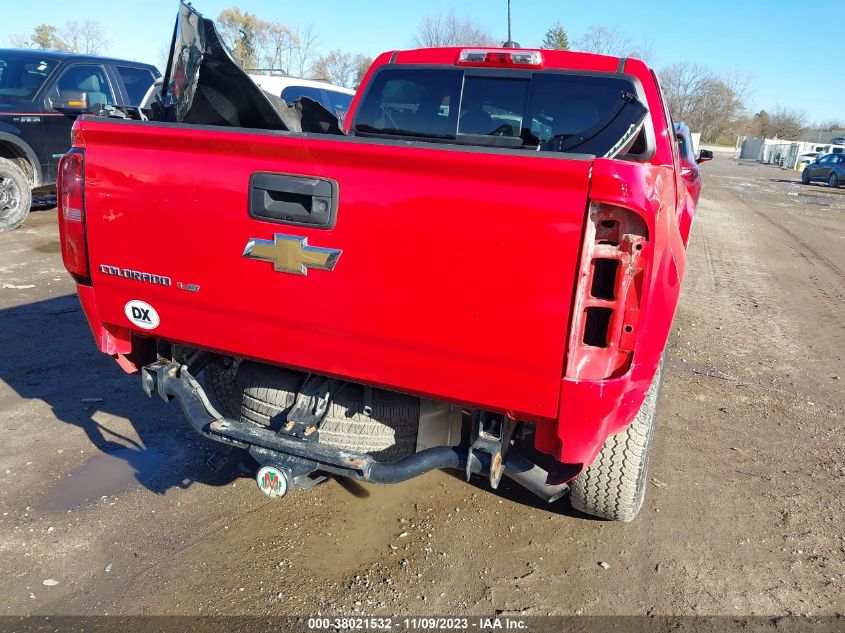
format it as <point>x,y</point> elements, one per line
<point>71,209</point>
<point>609,293</point>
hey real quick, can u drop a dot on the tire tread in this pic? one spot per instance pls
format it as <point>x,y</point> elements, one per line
<point>613,486</point>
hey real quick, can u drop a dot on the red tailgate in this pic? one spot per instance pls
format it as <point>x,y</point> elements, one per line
<point>454,281</point>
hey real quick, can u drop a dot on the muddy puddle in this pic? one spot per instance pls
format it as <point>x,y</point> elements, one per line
<point>105,475</point>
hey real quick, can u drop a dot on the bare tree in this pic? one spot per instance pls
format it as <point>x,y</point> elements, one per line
<point>337,67</point>
<point>245,34</point>
<point>684,85</point>
<point>709,103</point>
<point>342,69</point>
<point>831,125</point>
<point>85,36</point>
<point>20,40</point>
<point>722,107</point>
<point>255,42</point>
<point>450,30</point>
<point>280,42</point>
<point>785,123</point>
<point>298,59</point>
<point>611,41</point>
<point>364,64</point>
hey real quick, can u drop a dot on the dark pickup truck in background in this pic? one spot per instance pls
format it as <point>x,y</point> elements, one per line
<point>41,94</point>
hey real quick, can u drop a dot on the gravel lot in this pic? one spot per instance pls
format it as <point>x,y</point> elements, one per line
<point>108,505</point>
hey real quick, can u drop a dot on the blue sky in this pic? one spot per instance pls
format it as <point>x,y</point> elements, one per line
<point>769,41</point>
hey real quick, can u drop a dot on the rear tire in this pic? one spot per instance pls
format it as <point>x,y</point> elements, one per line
<point>613,487</point>
<point>833,181</point>
<point>15,195</point>
<point>805,176</point>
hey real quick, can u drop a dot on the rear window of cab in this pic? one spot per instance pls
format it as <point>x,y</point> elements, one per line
<point>551,111</point>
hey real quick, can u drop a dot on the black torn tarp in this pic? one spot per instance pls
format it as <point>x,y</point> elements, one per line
<point>203,85</point>
<point>305,115</point>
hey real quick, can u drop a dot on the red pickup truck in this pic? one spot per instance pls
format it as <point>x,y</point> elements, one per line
<point>477,270</point>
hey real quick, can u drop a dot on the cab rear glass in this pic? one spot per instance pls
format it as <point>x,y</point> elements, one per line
<point>545,111</point>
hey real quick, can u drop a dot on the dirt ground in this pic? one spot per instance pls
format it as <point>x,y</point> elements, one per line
<point>108,506</point>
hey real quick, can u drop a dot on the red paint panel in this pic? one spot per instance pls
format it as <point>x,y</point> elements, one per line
<point>590,410</point>
<point>112,340</point>
<point>455,279</point>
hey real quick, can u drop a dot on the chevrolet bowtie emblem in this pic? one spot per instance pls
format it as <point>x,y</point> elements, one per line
<point>291,254</point>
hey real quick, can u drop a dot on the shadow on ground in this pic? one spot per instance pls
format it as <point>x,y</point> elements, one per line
<point>45,202</point>
<point>816,184</point>
<point>58,363</point>
<point>512,491</point>
<point>49,355</point>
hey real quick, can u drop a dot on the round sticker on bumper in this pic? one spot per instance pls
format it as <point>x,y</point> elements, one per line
<point>142,314</point>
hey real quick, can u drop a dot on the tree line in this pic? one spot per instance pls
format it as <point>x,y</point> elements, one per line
<point>258,44</point>
<point>77,36</point>
<point>712,103</point>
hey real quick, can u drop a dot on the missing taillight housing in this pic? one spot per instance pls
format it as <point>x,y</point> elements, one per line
<point>604,278</point>
<point>70,188</point>
<point>609,293</point>
<point>596,322</point>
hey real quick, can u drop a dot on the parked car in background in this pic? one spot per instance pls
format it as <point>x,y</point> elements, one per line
<point>336,99</point>
<point>837,140</point>
<point>689,161</point>
<point>805,159</point>
<point>829,168</point>
<point>41,94</point>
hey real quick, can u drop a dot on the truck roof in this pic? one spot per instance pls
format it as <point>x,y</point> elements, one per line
<point>555,59</point>
<point>67,56</point>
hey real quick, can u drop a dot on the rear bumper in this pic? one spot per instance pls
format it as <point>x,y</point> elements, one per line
<point>110,340</point>
<point>172,380</point>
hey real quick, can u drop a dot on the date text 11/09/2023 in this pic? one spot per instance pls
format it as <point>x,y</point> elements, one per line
<point>417,624</point>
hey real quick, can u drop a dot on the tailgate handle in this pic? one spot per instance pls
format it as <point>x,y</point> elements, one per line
<point>295,200</point>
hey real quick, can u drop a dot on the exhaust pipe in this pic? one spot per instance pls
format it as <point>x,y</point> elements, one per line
<point>531,477</point>
<point>416,465</point>
<point>517,468</point>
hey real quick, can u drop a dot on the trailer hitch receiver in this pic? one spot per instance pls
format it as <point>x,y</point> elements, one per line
<point>273,482</point>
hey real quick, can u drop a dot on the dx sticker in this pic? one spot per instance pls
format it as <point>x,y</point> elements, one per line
<point>142,314</point>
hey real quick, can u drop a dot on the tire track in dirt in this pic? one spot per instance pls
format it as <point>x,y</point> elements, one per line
<point>824,277</point>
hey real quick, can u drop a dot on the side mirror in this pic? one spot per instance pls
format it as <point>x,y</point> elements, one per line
<point>704,156</point>
<point>70,101</point>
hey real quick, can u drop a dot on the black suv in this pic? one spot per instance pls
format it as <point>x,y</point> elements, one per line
<point>41,94</point>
